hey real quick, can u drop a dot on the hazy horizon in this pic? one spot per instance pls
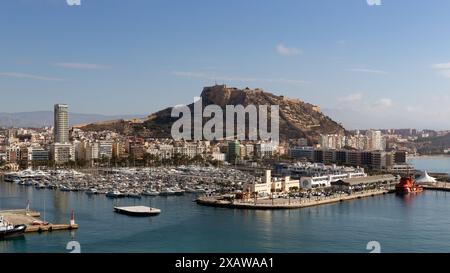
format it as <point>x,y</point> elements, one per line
<point>383,66</point>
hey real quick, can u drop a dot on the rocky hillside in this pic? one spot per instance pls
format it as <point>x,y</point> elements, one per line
<point>297,118</point>
<point>433,145</point>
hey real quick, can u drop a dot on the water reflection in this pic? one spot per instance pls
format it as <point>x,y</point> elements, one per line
<point>11,243</point>
<point>406,198</point>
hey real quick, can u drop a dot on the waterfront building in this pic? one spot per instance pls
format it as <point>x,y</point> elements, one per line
<point>313,175</point>
<point>401,168</point>
<point>400,157</point>
<point>377,160</point>
<point>118,150</point>
<point>105,148</point>
<point>135,147</point>
<point>61,123</point>
<point>92,151</point>
<point>218,156</point>
<point>375,140</point>
<point>381,160</point>
<point>265,150</point>
<point>326,180</point>
<point>234,151</point>
<point>269,185</point>
<point>302,153</point>
<point>39,154</point>
<point>12,154</point>
<point>368,182</point>
<point>165,150</point>
<point>249,150</point>
<point>62,153</point>
<point>425,179</point>
<point>332,141</point>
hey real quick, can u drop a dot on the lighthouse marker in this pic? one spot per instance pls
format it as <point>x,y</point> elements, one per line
<point>72,219</point>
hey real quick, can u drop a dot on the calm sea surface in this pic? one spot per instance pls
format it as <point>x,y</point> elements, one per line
<point>418,223</point>
<point>437,164</point>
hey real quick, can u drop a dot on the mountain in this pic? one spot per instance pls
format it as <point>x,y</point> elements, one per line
<point>40,119</point>
<point>433,145</point>
<point>298,119</point>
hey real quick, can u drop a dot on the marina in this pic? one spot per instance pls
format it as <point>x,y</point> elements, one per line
<point>246,228</point>
<point>215,229</point>
<point>134,182</point>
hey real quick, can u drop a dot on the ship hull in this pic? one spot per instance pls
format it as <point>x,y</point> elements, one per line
<point>407,186</point>
<point>16,232</point>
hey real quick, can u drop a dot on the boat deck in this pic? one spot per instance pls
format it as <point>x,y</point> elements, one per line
<point>138,210</point>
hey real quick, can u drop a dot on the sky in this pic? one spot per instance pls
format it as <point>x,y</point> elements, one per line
<point>368,66</point>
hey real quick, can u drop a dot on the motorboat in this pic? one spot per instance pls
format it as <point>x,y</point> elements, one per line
<point>114,194</point>
<point>167,192</point>
<point>7,230</point>
<point>91,191</point>
<point>150,193</point>
<point>134,195</point>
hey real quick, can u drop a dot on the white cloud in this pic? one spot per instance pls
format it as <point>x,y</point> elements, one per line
<point>190,74</point>
<point>358,102</point>
<point>351,98</point>
<point>366,70</point>
<point>214,77</point>
<point>442,69</point>
<point>383,103</point>
<point>82,66</point>
<point>441,66</point>
<point>288,51</point>
<point>28,76</point>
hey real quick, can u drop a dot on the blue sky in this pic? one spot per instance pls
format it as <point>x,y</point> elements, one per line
<point>367,66</point>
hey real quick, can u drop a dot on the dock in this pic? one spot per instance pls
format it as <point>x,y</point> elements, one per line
<point>277,204</point>
<point>137,211</point>
<point>21,212</point>
<point>28,218</point>
<point>440,186</point>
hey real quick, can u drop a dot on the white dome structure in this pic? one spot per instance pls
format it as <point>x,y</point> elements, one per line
<point>425,179</point>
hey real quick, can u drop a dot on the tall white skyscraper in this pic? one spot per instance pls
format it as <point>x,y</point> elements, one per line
<point>375,140</point>
<point>61,130</point>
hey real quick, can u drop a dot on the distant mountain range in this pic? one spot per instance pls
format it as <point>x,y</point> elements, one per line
<point>38,119</point>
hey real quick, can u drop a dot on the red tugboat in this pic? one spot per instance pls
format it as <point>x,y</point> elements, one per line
<point>407,185</point>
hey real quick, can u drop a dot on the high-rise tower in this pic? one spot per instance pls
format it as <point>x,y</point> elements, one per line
<point>61,130</point>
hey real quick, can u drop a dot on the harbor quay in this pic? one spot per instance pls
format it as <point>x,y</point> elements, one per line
<point>32,222</point>
<point>286,203</point>
<point>295,186</point>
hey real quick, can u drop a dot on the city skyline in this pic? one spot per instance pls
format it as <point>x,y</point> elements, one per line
<point>386,67</point>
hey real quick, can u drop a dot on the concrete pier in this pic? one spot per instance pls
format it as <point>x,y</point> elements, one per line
<point>276,204</point>
<point>24,217</point>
